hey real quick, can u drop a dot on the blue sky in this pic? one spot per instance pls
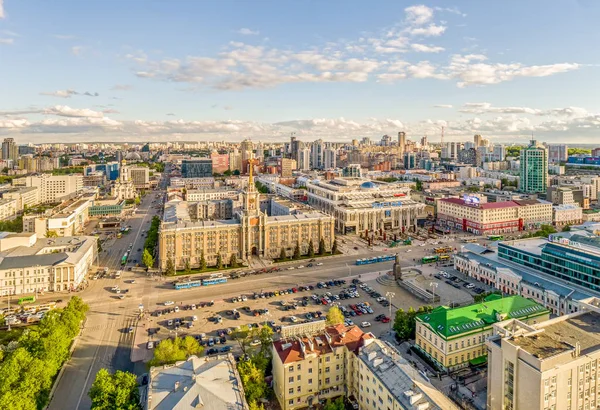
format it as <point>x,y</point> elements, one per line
<point>136,70</point>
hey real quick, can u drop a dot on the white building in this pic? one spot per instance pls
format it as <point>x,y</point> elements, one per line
<point>66,220</point>
<point>329,158</point>
<point>317,149</point>
<point>211,194</point>
<point>25,197</point>
<point>567,214</point>
<point>53,188</point>
<point>139,175</point>
<point>28,265</point>
<point>304,159</point>
<point>8,208</point>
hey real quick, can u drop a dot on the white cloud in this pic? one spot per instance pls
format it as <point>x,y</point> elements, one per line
<point>453,10</point>
<point>247,32</point>
<point>66,111</point>
<point>10,33</point>
<point>2,13</point>
<point>16,123</point>
<point>484,74</point>
<point>422,48</point>
<point>7,41</point>
<point>61,93</point>
<point>442,106</point>
<point>76,50</point>
<point>431,30</point>
<point>425,69</point>
<point>418,15</point>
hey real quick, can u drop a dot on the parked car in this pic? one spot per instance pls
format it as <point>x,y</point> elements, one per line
<point>365,324</point>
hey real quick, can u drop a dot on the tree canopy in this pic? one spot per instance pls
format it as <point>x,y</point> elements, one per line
<point>334,316</point>
<point>28,371</point>
<point>337,404</point>
<point>170,351</point>
<point>115,391</point>
<point>147,258</point>
<point>405,322</point>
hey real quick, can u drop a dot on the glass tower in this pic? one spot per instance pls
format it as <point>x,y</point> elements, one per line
<point>534,169</point>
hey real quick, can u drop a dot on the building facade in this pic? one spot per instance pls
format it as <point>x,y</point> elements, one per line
<point>534,169</point>
<point>53,188</point>
<point>66,220</point>
<point>197,168</point>
<point>553,365</point>
<point>8,209</point>
<point>455,338</point>
<point>360,205</point>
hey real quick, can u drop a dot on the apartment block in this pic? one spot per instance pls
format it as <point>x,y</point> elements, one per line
<point>553,365</point>
<point>67,220</point>
<point>53,188</point>
<point>8,208</point>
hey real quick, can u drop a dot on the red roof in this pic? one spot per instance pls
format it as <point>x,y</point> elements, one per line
<point>489,205</point>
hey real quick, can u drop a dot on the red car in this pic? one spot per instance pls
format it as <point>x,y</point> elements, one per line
<point>385,320</point>
<point>294,290</point>
<point>323,301</point>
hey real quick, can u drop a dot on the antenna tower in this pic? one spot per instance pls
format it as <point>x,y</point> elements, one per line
<point>442,137</point>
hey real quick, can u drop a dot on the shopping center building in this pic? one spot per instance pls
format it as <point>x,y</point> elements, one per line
<point>359,204</point>
<point>469,215</point>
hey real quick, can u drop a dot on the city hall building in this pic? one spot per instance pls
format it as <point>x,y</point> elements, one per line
<point>184,239</point>
<point>358,204</point>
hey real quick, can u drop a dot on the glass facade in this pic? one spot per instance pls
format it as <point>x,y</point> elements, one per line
<point>200,168</point>
<point>564,262</point>
<point>534,169</point>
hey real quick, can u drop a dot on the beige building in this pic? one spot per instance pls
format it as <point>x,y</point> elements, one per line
<point>211,194</point>
<point>570,214</point>
<point>139,175</point>
<point>553,365</point>
<point>470,215</point>
<point>66,220</point>
<point>455,338</point>
<point>184,238</point>
<point>53,188</point>
<point>8,208</point>
<point>287,167</point>
<point>312,362</point>
<point>28,265</point>
<point>27,197</point>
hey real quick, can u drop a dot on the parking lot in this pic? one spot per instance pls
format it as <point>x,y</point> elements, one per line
<point>212,323</point>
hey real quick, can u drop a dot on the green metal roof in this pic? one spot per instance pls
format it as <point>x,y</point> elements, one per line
<point>449,323</point>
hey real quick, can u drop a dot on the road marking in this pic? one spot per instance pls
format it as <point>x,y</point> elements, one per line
<point>87,377</point>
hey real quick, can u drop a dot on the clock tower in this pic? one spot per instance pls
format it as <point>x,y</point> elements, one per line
<point>251,195</point>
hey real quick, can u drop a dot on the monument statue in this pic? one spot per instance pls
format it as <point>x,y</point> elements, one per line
<point>397,269</point>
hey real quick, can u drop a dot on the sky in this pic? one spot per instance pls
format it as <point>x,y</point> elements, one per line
<point>133,70</point>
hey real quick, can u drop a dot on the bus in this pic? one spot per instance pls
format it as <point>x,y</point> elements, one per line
<point>444,257</point>
<point>26,299</point>
<point>429,259</point>
<point>375,259</point>
<point>213,281</point>
<point>196,283</point>
<point>443,249</point>
<point>495,237</point>
<point>470,240</point>
<point>124,259</point>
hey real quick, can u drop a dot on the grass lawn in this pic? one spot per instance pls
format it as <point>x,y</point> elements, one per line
<point>304,257</point>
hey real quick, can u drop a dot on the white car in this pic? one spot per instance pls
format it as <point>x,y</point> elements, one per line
<point>115,288</point>
<point>293,319</point>
<point>320,264</point>
<point>121,297</point>
<point>291,268</point>
<point>132,281</point>
<point>365,324</point>
<point>194,318</point>
<point>150,345</point>
<point>244,298</point>
<point>176,309</point>
<point>169,303</point>
<point>193,306</point>
<point>300,267</point>
<point>255,342</point>
<point>408,250</point>
<point>470,286</point>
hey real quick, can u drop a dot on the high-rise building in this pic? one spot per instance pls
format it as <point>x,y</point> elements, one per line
<point>287,166</point>
<point>220,162</point>
<point>304,159</point>
<point>401,141</point>
<point>534,169</point>
<point>294,148</point>
<point>409,160</point>
<point>316,154</point>
<point>499,152</point>
<point>558,153</point>
<point>140,176</point>
<point>424,141</point>
<point>386,141</point>
<point>260,151</point>
<point>246,148</point>
<point>477,140</point>
<point>10,150</point>
<point>329,158</point>
<point>235,160</point>
<point>450,150</point>
<point>196,168</point>
<point>549,365</point>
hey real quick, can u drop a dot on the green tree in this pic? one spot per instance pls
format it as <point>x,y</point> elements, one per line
<point>322,246</point>
<point>253,380</point>
<point>219,261</point>
<point>334,247</point>
<point>170,268</point>
<point>405,322</point>
<point>297,251</point>
<point>137,201</point>
<point>148,259</point>
<point>241,336</point>
<point>337,404</point>
<point>334,316</point>
<point>170,351</point>
<point>311,249</point>
<point>418,185</point>
<point>187,268</point>
<point>253,405</point>
<point>51,234</point>
<point>566,228</point>
<point>233,261</point>
<point>190,346</point>
<point>265,335</point>
<point>115,391</point>
<point>282,254</point>
<point>202,261</point>
<point>473,188</point>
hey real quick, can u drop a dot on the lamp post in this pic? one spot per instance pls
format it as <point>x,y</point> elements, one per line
<point>433,286</point>
<point>390,296</point>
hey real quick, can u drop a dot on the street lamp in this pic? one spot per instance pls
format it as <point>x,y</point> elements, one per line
<point>349,270</point>
<point>390,296</point>
<point>433,285</point>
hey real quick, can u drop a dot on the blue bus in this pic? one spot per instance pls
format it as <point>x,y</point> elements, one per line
<point>213,281</point>
<point>375,259</point>
<point>196,283</point>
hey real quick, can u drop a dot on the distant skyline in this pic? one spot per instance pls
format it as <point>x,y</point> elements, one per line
<point>183,71</point>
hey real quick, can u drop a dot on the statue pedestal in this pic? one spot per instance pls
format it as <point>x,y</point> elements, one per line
<point>397,269</point>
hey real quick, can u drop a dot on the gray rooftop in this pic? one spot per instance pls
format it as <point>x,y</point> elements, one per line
<point>401,379</point>
<point>47,252</point>
<point>210,383</point>
<point>492,261</point>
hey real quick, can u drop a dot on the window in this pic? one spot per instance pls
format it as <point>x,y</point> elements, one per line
<point>298,389</point>
<point>327,380</point>
<point>291,369</point>
<point>299,367</point>
<point>291,380</point>
<point>327,370</point>
<point>291,391</point>
<point>310,370</point>
<point>309,381</point>
<point>298,378</point>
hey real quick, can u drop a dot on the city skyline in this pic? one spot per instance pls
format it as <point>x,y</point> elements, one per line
<point>85,72</point>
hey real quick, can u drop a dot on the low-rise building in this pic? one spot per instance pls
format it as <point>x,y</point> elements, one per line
<point>552,365</point>
<point>210,382</point>
<point>53,188</point>
<point>26,197</point>
<point>469,215</point>
<point>67,220</point>
<point>455,338</point>
<point>193,195</point>
<point>8,208</point>
<point>43,265</point>
<point>567,214</point>
<point>106,207</point>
